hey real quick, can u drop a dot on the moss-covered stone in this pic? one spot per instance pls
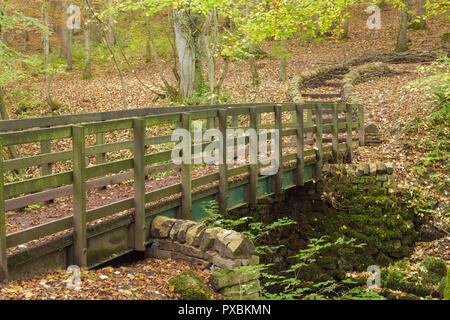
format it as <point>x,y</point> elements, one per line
<point>435,266</point>
<point>190,286</point>
<point>447,286</point>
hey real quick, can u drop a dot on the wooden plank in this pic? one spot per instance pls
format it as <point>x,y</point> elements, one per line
<point>254,172</point>
<point>361,128</point>
<point>109,209</point>
<point>163,192</point>
<point>349,133</point>
<point>223,165</point>
<point>139,184</point>
<point>186,174</point>
<point>39,231</point>
<point>36,184</point>
<point>319,134</point>
<point>279,152</point>
<point>109,167</point>
<point>22,137</point>
<point>300,146</point>
<point>335,138</point>
<point>79,196</point>
<point>3,255</point>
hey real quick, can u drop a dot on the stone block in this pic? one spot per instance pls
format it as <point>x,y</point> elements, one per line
<point>158,253</point>
<point>225,263</point>
<point>372,169</point>
<point>175,228</point>
<point>239,247</point>
<point>196,262</point>
<point>192,232</point>
<point>221,241</point>
<point>381,168</point>
<point>208,236</point>
<point>181,235</point>
<point>161,226</point>
<point>228,278</point>
<point>244,289</point>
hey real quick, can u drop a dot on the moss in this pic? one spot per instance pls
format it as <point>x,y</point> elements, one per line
<point>190,286</point>
<point>447,286</point>
<point>435,266</point>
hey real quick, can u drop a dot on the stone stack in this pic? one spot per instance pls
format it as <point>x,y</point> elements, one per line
<point>372,135</point>
<point>200,245</point>
<point>362,176</point>
<point>240,284</point>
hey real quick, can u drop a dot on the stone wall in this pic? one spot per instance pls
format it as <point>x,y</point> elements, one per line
<point>206,247</point>
<point>362,176</point>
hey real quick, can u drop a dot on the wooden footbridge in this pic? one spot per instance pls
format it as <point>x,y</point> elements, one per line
<point>73,154</point>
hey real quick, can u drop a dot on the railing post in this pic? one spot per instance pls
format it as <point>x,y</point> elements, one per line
<point>253,178</point>
<point>361,129</point>
<point>186,173</point>
<point>319,137</point>
<point>100,157</point>
<point>279,151</point>
<point>46,147</point>
<point>139,184</point>
<point>223,165</point>
<point>79,196</point>
<point>300,146</point>
<point>3,255</point>
<point>335,133</point>
<point>349,132</point>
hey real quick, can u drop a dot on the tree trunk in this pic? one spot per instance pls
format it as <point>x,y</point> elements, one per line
<point>186,53</point>
<point>346,25</point>
<point>87,73</point>
<point>46,55</point>
<point>69,49</point>
<point>402,40</point>
<point>421,12</point>
<point>284,52</point>
<point>110,32</point>
<point>64,31</point>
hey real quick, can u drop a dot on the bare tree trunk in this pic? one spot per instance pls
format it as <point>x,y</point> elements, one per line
<point>186,53</point>
<point>50,102</point>
<point>69,49</point>
<point>64,31</point>
<point>110,32</point>
<point>284,51</point>
<point>87,73</point>
<point>402,40</point>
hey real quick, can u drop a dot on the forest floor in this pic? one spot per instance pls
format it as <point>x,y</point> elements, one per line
<point>388,102</point>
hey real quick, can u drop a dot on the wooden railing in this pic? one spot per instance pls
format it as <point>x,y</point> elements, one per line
<point>318,132</point>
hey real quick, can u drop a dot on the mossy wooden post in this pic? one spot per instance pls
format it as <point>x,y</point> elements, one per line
<point>335,133</point>
<point>319,137</point>
<point>361,129</point>
<point>100,157</point>
<point>186,172</point>
<point>349,125</point>
<point>3,256</point>
<point>253,148</point>
<point>139,184</point>
<point>300,146</point>
<point>223,166</point>
<point>46,168</point>
<point>79,196</point>
<point>279,152</point>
